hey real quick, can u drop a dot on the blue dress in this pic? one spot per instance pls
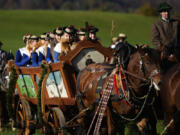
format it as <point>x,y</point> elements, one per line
<point>57,51</point>
<point>23,58</point>
<point>44,54</point>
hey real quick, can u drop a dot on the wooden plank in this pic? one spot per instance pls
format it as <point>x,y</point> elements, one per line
<point>54,101</point>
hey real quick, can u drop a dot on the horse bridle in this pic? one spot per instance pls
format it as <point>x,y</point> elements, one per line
<point>151,74</point>
<point>144,69</point>
<point>151,84</point>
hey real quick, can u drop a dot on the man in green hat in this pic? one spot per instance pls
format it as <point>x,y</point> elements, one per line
<point>165,34</point>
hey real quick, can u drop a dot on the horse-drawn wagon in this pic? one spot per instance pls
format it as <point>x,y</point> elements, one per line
<point>47,93</point>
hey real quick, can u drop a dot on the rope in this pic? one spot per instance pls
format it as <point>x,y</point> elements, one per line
<point>75,117</point>
<point>134,75</point>
<point>167,126</point>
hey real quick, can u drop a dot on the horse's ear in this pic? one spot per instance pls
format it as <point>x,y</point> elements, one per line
<point>145,46</point>
<point>137,46</point>
<point>140,49</point>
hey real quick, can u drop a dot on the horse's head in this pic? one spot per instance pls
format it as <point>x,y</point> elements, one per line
<point>145,63</point>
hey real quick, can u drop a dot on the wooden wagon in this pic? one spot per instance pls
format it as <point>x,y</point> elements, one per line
<point>47,93</point>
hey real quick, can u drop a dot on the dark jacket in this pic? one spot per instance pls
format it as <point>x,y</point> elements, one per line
<point>165,34</point>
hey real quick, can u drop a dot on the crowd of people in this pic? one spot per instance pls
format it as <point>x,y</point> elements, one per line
<point>49,46</point>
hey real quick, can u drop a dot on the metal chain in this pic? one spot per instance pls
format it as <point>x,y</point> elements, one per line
<point>145,101</point>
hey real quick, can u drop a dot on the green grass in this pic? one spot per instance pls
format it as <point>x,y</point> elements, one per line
<point>7,131</point>
<point>16,23</point>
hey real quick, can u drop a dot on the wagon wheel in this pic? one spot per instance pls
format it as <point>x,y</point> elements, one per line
<point>56,122</point>
<point>23,117</point>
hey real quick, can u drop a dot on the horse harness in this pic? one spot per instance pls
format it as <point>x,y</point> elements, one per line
<point>100,80</point>
<point>125,95</point>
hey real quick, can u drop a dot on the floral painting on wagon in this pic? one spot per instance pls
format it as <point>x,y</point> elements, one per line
<point>55,85</point>
<point>26,87</point>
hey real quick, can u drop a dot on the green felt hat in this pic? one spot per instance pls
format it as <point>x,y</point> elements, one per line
<point>164,7</point>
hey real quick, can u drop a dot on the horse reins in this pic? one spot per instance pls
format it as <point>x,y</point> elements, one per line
<point>134,75</point>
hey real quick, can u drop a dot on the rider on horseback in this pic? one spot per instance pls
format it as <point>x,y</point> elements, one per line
<point>165,34</point>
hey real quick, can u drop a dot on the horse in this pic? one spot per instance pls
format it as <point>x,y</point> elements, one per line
<point>170,98</point>
<point>141,71</point>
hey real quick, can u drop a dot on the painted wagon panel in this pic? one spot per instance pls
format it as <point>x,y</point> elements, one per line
<point>26,86</point>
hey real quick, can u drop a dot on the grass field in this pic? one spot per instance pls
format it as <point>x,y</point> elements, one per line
<point>7,131</point>
<point>16,23</point>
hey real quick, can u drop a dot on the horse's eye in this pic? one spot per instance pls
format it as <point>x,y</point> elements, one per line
<point>148,63</point>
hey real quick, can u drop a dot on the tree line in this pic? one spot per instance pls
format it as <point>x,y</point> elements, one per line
<point>103,5</point>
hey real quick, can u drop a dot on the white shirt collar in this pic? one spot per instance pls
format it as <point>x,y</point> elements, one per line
<point>164,19</point>
<point>57,48</point>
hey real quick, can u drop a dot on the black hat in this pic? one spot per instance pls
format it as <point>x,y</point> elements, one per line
<point>81,31</point>
<point>50,35</point>
<point>164,7</point>
<point>1,43</point>
<point>93,29</point>
<point>59,31</point>
<point>70,30</point>
<point>43,36</point>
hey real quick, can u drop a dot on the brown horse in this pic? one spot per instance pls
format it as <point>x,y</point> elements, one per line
<point>170,98</point>
<point>142,69</point>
